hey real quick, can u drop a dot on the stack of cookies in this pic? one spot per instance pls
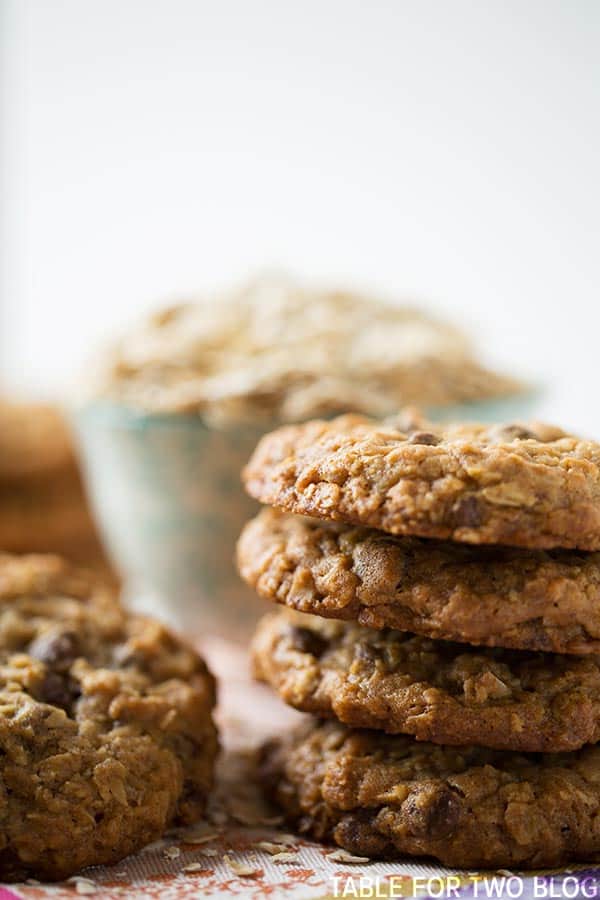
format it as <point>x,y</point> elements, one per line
<point>443,628</point>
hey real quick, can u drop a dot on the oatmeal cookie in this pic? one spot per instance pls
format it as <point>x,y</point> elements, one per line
<point>435,690</point>
<point>531,486</point>
<point>106,731</point>
<point>45,515</point>
<point>43,502</point>
<point>487,595</point>
<point>382,796</point>
<point>34,441</point>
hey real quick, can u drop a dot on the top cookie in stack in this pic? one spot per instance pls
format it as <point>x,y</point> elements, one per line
<point>473,534</point>
<point>532,487</point>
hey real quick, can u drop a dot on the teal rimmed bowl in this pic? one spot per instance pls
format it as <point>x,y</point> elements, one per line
<point>167,494</point>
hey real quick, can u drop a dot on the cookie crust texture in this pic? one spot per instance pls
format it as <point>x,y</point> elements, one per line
<point>382,796</point>
<point>526,486</point>
<point>106,730</point>
<point>487,596</point>
<point>434,690</point>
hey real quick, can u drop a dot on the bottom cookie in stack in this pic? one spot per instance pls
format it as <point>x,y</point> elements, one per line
<point>106,730</point>
<point>386,796</point>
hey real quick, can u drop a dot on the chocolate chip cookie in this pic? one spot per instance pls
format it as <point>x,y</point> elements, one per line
<point>435,690</point>
<point>106,731</point>
<point>531,486</point>
<point>382,796</point>
<point>487,595</point>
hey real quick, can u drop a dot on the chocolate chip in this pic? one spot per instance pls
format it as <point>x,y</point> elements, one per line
<point>307,641</point>
<point>467,512</point>
<point>424,437</point>
<point>357,833</point>
<point>57,649</point>
<point>58,690</point>
<point>432,812</point>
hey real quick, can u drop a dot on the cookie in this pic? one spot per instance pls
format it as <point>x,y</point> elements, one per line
<point>524,486</point>
<point>488,595</point>
<point>435,690</point>
<point>34,441</point>
<point>45,515</point>
<point>382,796</point>
<point>43,503</point>
<point>106,731</point>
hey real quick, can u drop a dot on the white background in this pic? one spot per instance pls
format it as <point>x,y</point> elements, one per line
<point>445,151</point>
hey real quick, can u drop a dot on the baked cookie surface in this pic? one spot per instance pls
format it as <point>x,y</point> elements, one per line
<point>45,515</point>
<point>523,486</point>
<point>486,595</point>
<point>43,502</point>
<point>34,441</point>
<point>382,796</point>
<point>435,690</point>
<point>106,730</point>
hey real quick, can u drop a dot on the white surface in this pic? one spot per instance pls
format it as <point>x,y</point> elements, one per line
<point>443,151</point>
